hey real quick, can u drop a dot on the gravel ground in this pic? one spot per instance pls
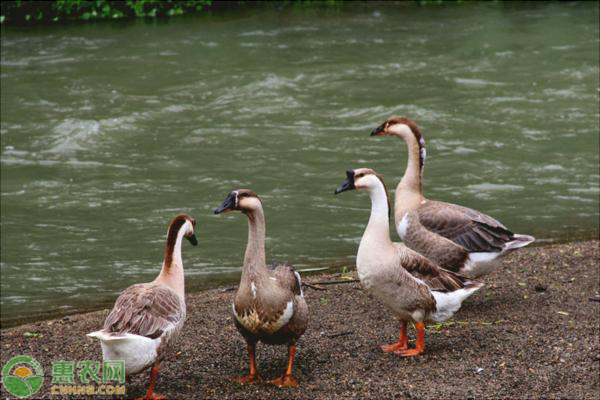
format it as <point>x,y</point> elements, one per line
<point>531,332</point>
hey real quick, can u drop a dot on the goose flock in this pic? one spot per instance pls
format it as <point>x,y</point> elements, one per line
<point>426,278</point>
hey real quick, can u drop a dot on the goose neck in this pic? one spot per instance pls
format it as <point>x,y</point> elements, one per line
<point>379,225</point>
<point>254,258</point>
<point>411,180</point>
<point>171,273</point>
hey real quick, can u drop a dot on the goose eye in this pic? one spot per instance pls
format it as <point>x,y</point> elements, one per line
<point>360,175</point>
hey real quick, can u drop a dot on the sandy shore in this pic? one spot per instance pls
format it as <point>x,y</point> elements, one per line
<point>532,332</point>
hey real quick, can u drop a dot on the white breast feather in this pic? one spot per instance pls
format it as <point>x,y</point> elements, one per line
<point>287,314</point>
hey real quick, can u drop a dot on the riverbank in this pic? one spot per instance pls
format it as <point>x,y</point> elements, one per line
<point>532,331</point>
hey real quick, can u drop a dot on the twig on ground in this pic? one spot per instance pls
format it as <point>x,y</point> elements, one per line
<point>310,285</point>
<point>336,282</point>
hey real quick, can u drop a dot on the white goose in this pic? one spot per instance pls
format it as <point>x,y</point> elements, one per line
<point>147,317</point>
<point>408,284</point>
<point>458,238</point>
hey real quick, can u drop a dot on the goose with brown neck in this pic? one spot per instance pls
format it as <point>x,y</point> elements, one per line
<point>459,238</point>
<point>147,318</point>
<point>269,305</point>
<point>411,286</point>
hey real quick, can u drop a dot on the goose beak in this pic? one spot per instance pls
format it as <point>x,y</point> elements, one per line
<point>380,130</point>
<point>227,205</point>
<point>192,240</point>
<point>348,184</point>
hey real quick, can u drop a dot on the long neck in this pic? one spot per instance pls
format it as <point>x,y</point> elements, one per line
<point>411,181</point>
<point>378,228</point>
<point>254,259</point>
<point>171,273</point>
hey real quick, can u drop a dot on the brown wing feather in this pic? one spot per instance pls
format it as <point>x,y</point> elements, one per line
<point>471,229</point>
<point>286,277</point>
<point>436,278</point>
<point>145,309</point>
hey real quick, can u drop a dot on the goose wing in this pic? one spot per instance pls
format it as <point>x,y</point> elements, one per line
<point>469,228</point>
<point>436,278</point>
<point>145,309</point>
<point>287,277</point>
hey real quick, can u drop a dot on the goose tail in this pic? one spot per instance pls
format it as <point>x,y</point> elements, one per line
<point>519,241</point>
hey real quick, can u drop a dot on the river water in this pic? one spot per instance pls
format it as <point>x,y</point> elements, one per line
<point>110,129</point>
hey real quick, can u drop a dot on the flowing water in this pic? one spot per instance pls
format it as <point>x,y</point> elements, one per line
<point>110,129</point>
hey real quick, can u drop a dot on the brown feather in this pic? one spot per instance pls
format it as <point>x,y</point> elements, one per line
<point>146,309</point>
<point>475,231</point>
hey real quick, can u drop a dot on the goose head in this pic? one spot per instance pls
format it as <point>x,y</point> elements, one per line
<point>405,129</point>
<point>360,179</point>
<point>398,126</point>
<point>183,221</point>
<point>244,200</point>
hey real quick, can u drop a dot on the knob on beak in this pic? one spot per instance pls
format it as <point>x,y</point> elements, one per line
<point>229,204</point>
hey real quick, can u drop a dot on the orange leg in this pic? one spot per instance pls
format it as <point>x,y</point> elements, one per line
<point>420,347</point>
<point>253,376</point>
<point>150,395</point>
<point>402,341</point>
<point>288,380</point>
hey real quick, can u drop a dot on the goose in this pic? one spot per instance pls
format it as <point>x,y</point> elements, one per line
<point>147,317</point>
<point>411,286</point>
<point>269,305</point>
<point>459,238</point>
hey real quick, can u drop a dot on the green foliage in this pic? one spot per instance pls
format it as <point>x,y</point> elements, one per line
<point>23,12</point>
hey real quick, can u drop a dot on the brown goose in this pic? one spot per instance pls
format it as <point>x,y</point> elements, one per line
<point>408,284</point>
<point>147,318</point>
<point>459,238</point>
<point>269,305</point>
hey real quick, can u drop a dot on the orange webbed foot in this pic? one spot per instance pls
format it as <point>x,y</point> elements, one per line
<point>247,379</point>
<point>394,347</point>
<point>287,381</point>
<point>409,353</point>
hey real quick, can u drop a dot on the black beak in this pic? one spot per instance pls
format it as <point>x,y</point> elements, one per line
<point>192,239</point>
<point>348,184</point>
<point>228,204</point>
<point>380,130</point>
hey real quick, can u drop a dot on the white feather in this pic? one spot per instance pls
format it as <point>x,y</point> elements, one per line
<point>449,303</point>
<point>522,241</point>
<point>286,316</point>
<point>138,352</point>
<point>480,263</point>
<point>403,226</point>
<point>479,257</point>
<point>253,288</point>
<point>299,283</point>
